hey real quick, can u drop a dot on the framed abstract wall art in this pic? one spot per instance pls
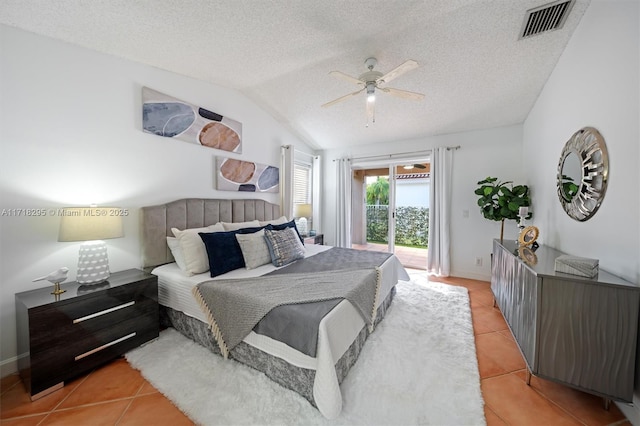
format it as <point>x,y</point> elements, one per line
<point>165,116</point>
<point>246,176</point>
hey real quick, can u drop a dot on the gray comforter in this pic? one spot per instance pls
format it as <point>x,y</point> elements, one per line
<point>295,298</point>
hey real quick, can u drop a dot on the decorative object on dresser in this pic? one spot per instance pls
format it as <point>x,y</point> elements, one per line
<point>302,212</point>
<point>67,335</point>
<point>528,236</point>
<point>246,176</point>
<point>577,331</point>
<point>502,200</point>
<point>165,116</point>
<point>91,225</point>
<point>56,277</point>
<point>575,265</point>
<point>583,172</point>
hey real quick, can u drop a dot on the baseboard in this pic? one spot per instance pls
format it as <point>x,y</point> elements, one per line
<point>631,411</point>
<point>471,275</point>
<point>8,366</point>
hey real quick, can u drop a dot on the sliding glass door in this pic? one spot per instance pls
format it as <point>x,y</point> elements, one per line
<point>390,208</point>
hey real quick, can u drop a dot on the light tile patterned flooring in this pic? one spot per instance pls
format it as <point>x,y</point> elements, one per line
<point>116,394</point>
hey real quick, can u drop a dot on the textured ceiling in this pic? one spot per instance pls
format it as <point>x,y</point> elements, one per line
<point>474,70</point>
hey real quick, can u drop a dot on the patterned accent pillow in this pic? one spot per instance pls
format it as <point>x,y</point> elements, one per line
<point>281,226</point>
<point>254,249</point>
<point>284,246</point>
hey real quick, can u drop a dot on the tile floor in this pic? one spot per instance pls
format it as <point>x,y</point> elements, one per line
<point>116,394</point>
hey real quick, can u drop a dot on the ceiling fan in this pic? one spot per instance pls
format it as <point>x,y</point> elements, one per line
<point>414,166</point>
<point>372,80</point>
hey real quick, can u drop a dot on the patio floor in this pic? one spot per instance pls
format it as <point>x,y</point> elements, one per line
<point>410,257</point>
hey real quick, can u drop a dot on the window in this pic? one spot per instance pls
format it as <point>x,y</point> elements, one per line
<point>302,183</point>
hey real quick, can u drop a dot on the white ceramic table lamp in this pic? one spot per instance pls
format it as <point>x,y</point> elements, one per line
<point>91,225</point>
<point>302,211</point>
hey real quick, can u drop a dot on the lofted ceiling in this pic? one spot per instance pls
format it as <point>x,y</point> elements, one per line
<point>474,69</point>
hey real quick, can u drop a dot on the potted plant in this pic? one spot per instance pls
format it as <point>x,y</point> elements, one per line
<point>502,200</point>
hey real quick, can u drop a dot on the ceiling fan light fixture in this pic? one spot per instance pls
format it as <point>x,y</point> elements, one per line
<point>371,92</point>
<point>370,81</point>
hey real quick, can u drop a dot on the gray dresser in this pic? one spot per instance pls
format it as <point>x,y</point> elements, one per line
<point>581,332</point>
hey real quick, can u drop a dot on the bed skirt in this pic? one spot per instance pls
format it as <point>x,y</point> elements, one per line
<point>299,380</point>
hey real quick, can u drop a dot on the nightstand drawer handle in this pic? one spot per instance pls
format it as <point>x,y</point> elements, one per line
<point>106,345</point>
<point>106,311</point>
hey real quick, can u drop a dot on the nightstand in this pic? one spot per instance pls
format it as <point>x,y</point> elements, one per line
<point>62,337</point>
<point>316,239</point>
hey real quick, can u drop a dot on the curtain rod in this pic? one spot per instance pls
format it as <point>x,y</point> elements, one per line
<point>304,153</point>
<point>397,154</point>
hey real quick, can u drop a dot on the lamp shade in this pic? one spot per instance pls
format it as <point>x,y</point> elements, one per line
<point>302,210</point>
<point>90,223</point>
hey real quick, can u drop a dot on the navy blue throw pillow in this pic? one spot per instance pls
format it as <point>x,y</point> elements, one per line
<point>224,251</point>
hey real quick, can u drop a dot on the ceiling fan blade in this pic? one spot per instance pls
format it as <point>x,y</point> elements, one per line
<point>345,77</point>
<point>405,94</point>
<point>398,71</point>
<point>342,98</point>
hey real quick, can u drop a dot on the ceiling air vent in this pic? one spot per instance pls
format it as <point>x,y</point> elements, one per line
<point>545,18</point>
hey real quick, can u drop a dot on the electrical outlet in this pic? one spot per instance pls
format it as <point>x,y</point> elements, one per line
<point>478,261</point>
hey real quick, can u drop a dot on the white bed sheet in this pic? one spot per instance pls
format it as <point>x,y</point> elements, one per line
<point>337,330</point>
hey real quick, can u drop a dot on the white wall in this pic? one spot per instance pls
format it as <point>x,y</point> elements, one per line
<point>412,192</point>
<point>495,152</point>
<point>595,83</point>
<point>70,123</point>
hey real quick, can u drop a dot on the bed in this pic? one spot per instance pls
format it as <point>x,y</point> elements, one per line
<point>314,373</point>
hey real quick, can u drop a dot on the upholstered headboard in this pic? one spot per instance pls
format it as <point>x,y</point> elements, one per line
<point>157,221</point>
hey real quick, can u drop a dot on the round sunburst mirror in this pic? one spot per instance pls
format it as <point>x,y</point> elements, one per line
<point>583,171</point>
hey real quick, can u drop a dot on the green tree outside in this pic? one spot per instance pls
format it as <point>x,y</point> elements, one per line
<point>378,192</point>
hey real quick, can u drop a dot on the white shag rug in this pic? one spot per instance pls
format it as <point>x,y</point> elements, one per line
<point>418,367</point>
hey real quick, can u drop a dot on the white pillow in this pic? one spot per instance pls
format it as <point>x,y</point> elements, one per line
<point>176,251</point>
<point>229,226</point>
<point>193,250</point>
<point>254,249</point>
<point>279,221</point>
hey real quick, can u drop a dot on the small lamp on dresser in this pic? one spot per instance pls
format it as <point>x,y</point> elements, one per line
<point>302,211</point>
<point>91,225</point>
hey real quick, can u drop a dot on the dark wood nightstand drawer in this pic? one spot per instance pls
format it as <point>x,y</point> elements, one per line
<point>63,360</point>
<point>73,321</point>
<point>61,337</point>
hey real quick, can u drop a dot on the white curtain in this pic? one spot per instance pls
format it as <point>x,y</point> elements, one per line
<point>286,181</point>
<point>315,193</point>
<point>438,257</point>
<point>343,203</point>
